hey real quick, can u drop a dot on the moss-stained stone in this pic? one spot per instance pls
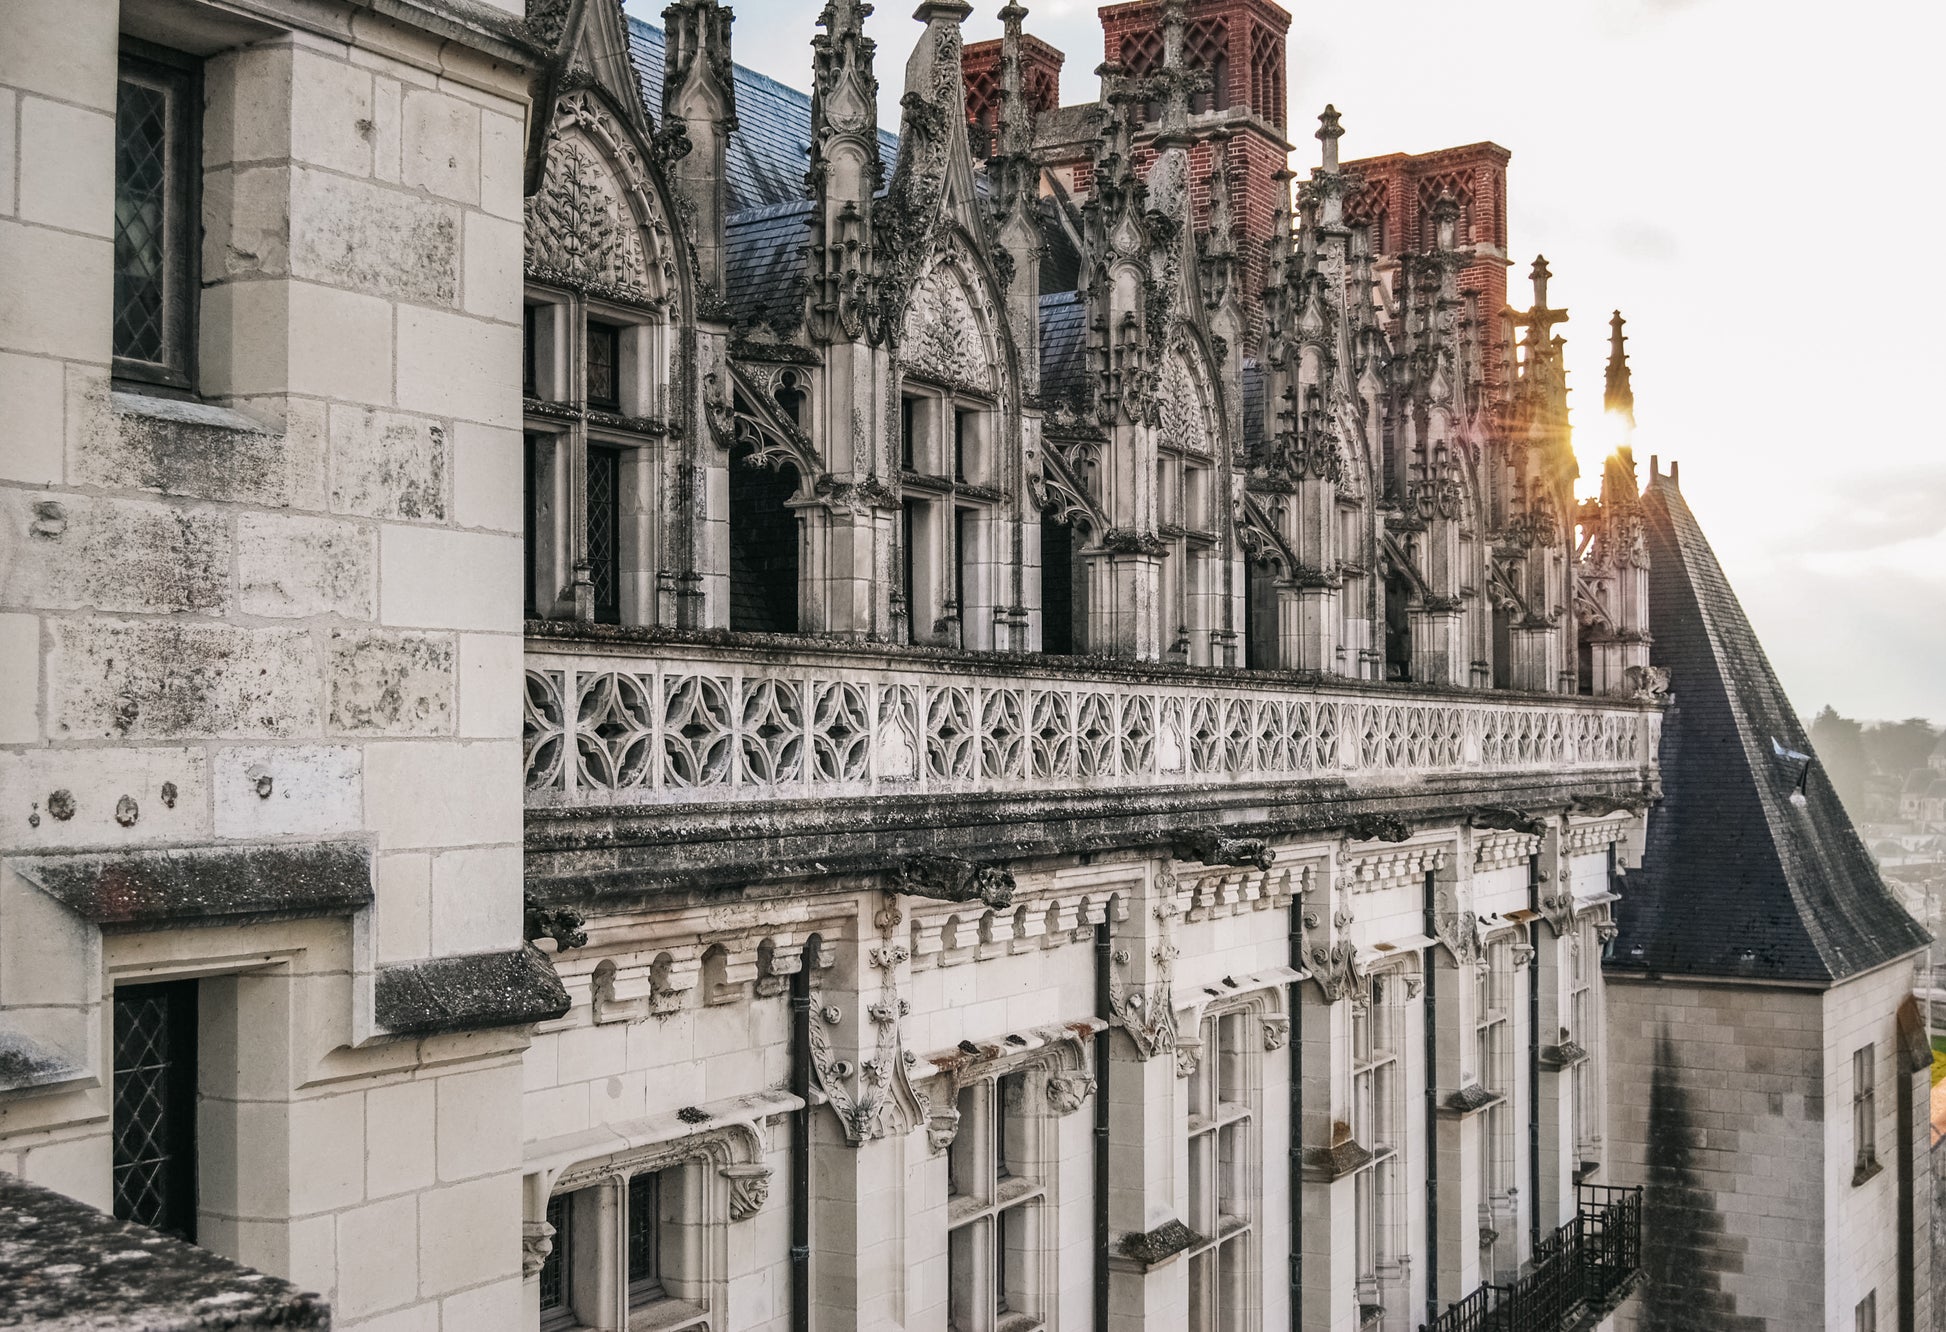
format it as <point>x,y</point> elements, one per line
<point>64,1265</point>
<point>150,679</point>
<point>203,884</point>
<point>387,465</point>
<point>75,552</point>
<point>391,683</point>
<point>467,992</point>
<point>372,239</point>
<point>195,450</point>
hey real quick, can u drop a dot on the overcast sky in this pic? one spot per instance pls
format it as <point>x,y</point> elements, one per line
<point>1755,183</point>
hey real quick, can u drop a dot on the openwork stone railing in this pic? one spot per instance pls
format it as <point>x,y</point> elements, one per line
<point>688,725</point>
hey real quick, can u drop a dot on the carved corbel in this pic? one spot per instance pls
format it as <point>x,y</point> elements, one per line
<point>1189,1053</point>
<point>536,1243</point>
<point>561,924</point>
<point>953,879</point>
<point>1148,1017</point>
<point>1600,805</point>
<point>749,1189</point>
<point>1277,1031</point>
<point>1066,1091</point>
<point>1458,930</point>
<point>1211,846</point>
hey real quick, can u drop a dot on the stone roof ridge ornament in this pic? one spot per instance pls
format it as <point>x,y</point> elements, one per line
<point>1502,818</point>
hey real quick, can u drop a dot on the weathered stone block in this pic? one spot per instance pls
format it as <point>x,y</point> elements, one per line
<point>434,578</point>
<point>467,1232</point>
<point>476,1135</point>
<point>60,290</point>
<point>340,344</point>
<point>441,143</point>
<point>20,679</point>
<point>476,900</point>
<point>399,1141</point>
<point>373,239</point>
<point>52,799</point>
<point>75,551</point>
<point>292,565</point>
<point>502,160</point>
<point>490,675</point>
<point>391,683</point>
<point>248,223</point>
<point>404,907</point>
<point>246,115</point>
<point>115,680</point>
<point>327,1153</point>
<point>243,340</point>
<point>288,791</point>
<point>387,465</point>
<point>188,449</point>
<point>493,267</point>
<point>488,477</point>
<point>452,365</point>
<point>63,149</point>
<point>430,793</point>
<point>331,113</point>
<point>378,1252</point>
<point>30,428</point>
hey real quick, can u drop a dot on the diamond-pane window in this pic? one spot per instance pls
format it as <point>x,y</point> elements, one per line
<point>155,1106</point>
<point>155,241</point>
<point>556,1309</point>
<point>604,528</point>
<point>644,1239</point>
<point>604,366</point>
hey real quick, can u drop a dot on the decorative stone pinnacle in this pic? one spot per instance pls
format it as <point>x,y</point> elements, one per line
<point>1329,132</point>
<point>1540,275</point>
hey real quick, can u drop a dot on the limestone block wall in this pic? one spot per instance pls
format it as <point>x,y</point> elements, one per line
<point>1720,1105</point>
<point>281,613</point>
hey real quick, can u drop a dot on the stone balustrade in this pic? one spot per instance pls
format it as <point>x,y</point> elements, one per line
<point>628,724</point>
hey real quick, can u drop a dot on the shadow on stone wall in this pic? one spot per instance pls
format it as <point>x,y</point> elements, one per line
<point>1685,1250</point>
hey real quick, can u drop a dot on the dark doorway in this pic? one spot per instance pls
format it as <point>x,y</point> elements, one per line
<point>1398,628</point>
<point>763,548</point>
<point>155,1106</point>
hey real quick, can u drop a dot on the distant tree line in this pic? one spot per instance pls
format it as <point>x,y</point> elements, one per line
<point>1868,761</point>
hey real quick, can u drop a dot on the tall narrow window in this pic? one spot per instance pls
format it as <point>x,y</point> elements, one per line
<point>1865,1317</point>
<point>1057,587</point>
<point>993,1195</point>
<point>1222,1182</point>
<point>157,238</point>
<point>604,366</point>
<point>529,352</point>
<point>1376,1034</point>
<point>962,426</point>
<point>965,524</point>
<point>763,547</point>
<point>908,535</point>
<point>155,1106</point>
<point>604,529</point>
<point>557,1308</point>
<point>530,524</point>
<point>908,429</point>
<point>644,1239</point>
<point>1864,1113</point>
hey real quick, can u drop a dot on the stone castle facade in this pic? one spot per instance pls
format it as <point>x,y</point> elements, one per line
<point>635,703</point>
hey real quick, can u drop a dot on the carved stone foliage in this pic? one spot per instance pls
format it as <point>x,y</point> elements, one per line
<point>1066,1091</point>
<point>1183,416</point>
<point>735,1149</point>
<point>943,339</point>
<point>596,221</point>
<point>874,1097</point>
<point>749,1188</point>
<point>576,225</point>
<point>1458,929</point>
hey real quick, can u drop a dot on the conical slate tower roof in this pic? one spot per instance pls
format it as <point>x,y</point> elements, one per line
<point>1752,869</point>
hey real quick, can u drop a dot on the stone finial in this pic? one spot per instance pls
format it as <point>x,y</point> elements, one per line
<point>1329,132</point>
<point>1540,275</point>
<point>1618,394</point>
<point>1445,213</point>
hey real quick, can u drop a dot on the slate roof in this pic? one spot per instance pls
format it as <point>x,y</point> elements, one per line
<point>764,261</point>
<point>771,146</point>
<point>1064,350</point>
<point>1738,880</point>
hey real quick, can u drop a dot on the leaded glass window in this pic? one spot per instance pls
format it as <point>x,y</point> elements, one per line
<point>155,1106</point>
<point>604,366</point>
<point>644,1239</point>
<point>604,531</point>
<point>156,239</point>
<point>556,1308</point>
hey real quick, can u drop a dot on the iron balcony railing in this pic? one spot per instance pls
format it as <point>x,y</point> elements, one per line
<point>1578,1272</point>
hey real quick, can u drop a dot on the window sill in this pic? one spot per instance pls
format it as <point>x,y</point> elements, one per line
<point>1866,1172</point>
<point>667,1316</point>
<point>184,411</point>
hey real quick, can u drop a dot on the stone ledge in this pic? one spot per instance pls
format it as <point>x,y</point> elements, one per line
<point>64,1265</point>
<point>206,884</point>
<point>467,993</point>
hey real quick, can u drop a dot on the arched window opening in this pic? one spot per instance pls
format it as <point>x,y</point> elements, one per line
<point>1058,637</point>
<point>1398,627</point>
<point>792,397</point>
<point>1259,616</point>
<point>763,547</point>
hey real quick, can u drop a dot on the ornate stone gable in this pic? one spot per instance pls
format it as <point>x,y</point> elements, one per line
<point>1183,406</point>
<point>943,338</point>
<point>596,221</point>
